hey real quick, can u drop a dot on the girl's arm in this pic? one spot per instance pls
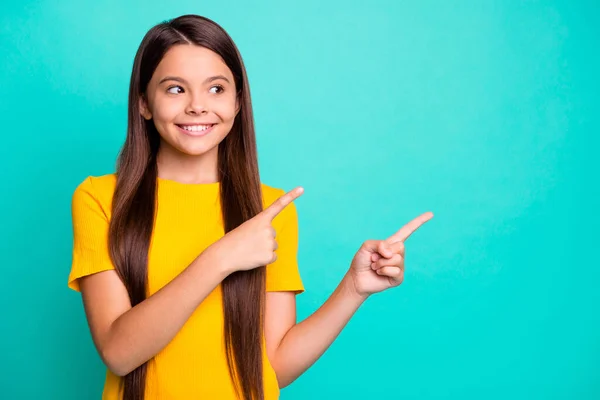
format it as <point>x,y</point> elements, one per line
<point>378,265</point>
<point>293,348</point>
<point>126,337</point>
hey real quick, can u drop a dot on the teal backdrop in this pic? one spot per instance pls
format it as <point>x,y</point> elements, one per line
<point>483,112</point>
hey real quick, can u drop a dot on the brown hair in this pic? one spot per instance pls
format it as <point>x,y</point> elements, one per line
<point>134,200</point>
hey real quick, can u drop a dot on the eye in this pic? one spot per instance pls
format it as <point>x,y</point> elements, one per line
<point>178,89</point>
<point>221,89</point>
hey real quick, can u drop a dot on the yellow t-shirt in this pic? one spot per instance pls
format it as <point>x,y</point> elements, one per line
<point>188,220</point>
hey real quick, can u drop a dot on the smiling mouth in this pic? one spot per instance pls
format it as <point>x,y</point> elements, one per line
<point>196,128</point>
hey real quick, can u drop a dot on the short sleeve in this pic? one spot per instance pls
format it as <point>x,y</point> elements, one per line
<point>283,274</point>
<point>90,235</point>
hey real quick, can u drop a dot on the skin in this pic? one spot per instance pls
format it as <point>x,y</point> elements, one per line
<point>126,337</point>
<point>202,91</point>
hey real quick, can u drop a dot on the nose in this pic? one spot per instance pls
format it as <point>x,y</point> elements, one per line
<point>196,106</point>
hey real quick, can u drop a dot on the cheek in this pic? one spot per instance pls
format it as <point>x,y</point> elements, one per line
<point>165,112</point>
<point>225,108</point>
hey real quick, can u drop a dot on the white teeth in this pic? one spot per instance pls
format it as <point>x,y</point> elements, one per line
<point>196,128</point>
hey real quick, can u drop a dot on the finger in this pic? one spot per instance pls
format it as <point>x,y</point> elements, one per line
<point>281,203</point>
<point>397,247</point>
<point>391,272</point>
<point>395,261</point>
<point>384,249</point>
<point>410,228</point>
<point>388,250</point>
<point>371,246</point>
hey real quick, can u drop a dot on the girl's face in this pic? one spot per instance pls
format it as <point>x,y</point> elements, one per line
<point>192,100</point>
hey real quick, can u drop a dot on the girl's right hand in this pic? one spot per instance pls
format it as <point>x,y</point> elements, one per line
<point>252,244</point>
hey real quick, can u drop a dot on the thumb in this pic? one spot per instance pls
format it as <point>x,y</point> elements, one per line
<point>378,246</point>
<point>384,250</point>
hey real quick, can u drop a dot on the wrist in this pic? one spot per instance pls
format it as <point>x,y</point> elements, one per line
<point>209,260</point>
<point>350,288</point>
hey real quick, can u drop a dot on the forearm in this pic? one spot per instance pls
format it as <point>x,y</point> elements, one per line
<point>306,341</point>
<point>144,330</point>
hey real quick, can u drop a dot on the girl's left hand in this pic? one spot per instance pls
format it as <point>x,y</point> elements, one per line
<point>379,264</point>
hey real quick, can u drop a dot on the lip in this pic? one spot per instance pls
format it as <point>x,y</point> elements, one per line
<point>196,134</point>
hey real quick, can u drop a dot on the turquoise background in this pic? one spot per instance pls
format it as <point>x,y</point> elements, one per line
<point>483,112</point>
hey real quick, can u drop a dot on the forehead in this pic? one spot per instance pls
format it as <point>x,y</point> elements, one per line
<point>191,62</point>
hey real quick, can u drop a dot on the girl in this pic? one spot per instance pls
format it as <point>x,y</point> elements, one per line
<point>186,263</point>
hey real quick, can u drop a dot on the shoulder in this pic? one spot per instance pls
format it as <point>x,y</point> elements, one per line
<point>104,184</point>
<point>270,194</point>
<point>96,191</point>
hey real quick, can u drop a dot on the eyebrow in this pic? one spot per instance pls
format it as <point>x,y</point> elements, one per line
<point>181,80</point>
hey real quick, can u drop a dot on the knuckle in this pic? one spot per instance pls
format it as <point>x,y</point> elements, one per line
<point>368,244</point>
<point>279,203</point>
<point>266,257</point>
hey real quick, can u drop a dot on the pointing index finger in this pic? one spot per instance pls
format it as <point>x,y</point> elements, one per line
<point>282,202</point>
<point>410,228</point>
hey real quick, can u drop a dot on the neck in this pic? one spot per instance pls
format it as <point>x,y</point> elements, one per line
<point>177,166</point>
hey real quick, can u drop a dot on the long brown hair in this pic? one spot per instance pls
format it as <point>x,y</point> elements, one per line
<point>134,201</point>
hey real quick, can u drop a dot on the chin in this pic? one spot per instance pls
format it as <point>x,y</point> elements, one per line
<point>195,151</point>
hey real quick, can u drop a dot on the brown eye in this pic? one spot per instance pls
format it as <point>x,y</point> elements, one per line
<point>219,87</point>
<point>178,90</point>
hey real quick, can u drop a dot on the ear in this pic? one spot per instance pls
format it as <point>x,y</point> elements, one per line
<point>237,103</point>
<point>144,110</point>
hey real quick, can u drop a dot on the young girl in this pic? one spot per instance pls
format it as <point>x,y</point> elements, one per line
<point>186,263</point>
